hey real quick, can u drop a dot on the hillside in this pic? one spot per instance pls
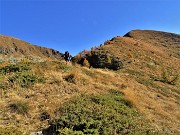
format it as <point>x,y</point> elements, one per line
<point>20,49</point>
<point>151,58</point>
<point>157,38</point>
<point>140,95</point>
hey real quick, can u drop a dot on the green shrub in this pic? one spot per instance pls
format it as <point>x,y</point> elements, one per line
<point>71,78</point>
<point>169,77</point>
<point>98,59</point>
<point>102,59</point>
<point>105,114</point>
<point>166,77</point>
<point>65,67</point>
<point>14,68</point>
<point>20,107</point>
<point>9,131</point>
<point>25,79</point>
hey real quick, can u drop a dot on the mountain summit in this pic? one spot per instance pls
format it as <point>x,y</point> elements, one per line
<point>158,38</point>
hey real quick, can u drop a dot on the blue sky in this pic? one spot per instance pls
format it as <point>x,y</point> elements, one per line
<point>75,25</point>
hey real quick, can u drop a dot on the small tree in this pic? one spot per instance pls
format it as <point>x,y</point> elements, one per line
<point>86,63</point>
<point>92,49</point>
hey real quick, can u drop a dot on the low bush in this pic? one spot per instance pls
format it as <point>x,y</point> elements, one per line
<point>14,68</point>
<point>167,77</point>
<point>20,107</point>
<point>105,114</point>
<point>25,79</point>
<point>71,77</point>
<point>63,66</point>
<point>9,131</point>
<point>44,116</point>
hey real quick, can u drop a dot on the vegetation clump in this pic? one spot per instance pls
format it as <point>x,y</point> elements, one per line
<point>98,59</point>
<point>63,66</point>
<point>71,77</point>
<point>20,107</point>
<point>25,79</point>
<point>168,77</point>
<point>103,114</point>
<point>14,68</point>
<point>102,59</point>
<point>4,85</point>
<point>9,131</point>
<point>44,116</point>
<point>86,63</point>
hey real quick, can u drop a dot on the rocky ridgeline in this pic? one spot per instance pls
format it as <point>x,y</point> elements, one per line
<point>10,46</point>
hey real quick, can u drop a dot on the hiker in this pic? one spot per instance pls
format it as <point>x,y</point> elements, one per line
<point>67,56</point>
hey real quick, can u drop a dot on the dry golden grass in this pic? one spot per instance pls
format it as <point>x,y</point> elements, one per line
<point>157,101</point>
<point>46,97</point>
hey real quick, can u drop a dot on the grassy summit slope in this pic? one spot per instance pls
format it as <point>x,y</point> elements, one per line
<point>55,97</point>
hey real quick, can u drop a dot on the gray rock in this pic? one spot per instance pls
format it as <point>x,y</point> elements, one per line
<point>37,133</point>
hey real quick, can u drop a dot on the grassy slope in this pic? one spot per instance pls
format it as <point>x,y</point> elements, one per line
<point>51,87</point>
<point>63,82</point>
<point>146,68</point>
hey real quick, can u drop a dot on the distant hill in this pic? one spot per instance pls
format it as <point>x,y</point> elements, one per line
<point>10,46</point>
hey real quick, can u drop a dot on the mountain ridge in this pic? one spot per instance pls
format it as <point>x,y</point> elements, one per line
<point>19,48</point>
